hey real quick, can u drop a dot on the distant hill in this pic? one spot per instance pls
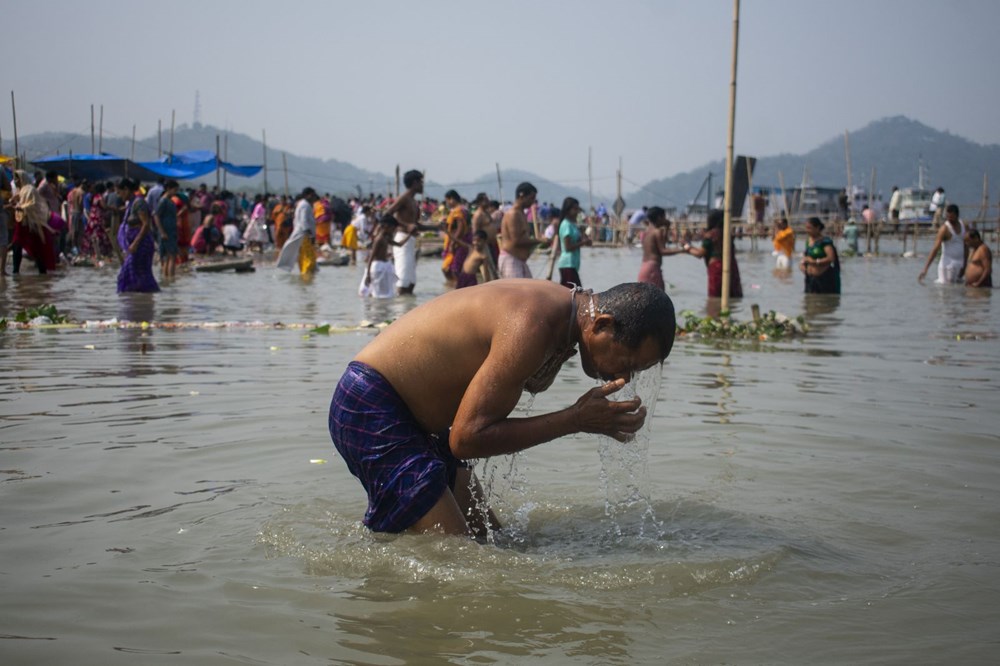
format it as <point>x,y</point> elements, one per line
<point>328,175</point>
<point>894,146</point>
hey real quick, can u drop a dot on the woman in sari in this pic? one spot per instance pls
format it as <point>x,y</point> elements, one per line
<point>183,227</point>
<point>95,241</point>
<point>32,232</point>
<point>711,252</point>
<point>255,235</point>
<point>820,262</point>
<point>136,240</point>
<point>282,223</point>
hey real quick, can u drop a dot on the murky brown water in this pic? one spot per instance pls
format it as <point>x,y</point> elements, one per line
<point>829,500</point>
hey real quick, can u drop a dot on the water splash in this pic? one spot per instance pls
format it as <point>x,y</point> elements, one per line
<point>624,466</point>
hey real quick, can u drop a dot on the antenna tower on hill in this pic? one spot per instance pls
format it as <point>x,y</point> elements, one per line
<point>197,108</point>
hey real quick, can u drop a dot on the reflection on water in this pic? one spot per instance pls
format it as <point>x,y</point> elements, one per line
<point>174,491</point>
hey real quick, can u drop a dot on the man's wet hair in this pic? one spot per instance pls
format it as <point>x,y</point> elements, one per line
<point>525,189</point>
<point>640,310</point>
<point>973,233</point>
<point>951,208</point>
<point>452,194</point>
<point>411,177</point>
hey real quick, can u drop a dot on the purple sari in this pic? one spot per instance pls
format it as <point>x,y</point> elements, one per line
<point>136,273</point>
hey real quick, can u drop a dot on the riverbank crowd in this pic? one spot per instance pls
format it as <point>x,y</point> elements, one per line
<point>59,224</point>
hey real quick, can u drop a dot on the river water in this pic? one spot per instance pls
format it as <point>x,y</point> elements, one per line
<point>171,495</point>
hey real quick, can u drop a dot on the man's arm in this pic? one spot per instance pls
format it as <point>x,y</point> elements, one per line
<point>483,426</point>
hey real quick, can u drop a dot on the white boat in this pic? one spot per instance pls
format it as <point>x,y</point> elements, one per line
<point>915,202</point>
<point>915,205</point>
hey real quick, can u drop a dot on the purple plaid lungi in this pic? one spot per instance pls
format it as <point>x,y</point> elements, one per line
<point>403,469</point>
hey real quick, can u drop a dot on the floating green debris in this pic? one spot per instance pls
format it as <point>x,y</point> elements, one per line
<point>769,326</point>
<point>321,330</point>
<point>48,311</point>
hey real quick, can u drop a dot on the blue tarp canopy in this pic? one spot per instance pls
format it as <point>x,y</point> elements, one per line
<point>95,167</point>
<point>196,163</point>
<point>106,166</point>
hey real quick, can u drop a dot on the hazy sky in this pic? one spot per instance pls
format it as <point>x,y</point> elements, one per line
<point>453,87</point>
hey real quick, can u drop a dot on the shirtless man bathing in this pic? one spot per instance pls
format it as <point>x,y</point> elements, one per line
<point>437,388</point>
<point>515,243</point>
<point>406,211</point>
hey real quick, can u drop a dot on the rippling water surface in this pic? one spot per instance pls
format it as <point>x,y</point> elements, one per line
<point>834,499</point>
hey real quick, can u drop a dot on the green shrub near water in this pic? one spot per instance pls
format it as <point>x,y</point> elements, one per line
<point>46,310</point>
<point>769,326</point>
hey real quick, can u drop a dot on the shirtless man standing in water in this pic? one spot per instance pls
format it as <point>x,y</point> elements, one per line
<point>407,213</point>
<point>515,243</point>
<point>437,388</point>
<point>979,269</point>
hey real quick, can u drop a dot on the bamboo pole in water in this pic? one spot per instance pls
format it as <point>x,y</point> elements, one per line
<point>217,169</point>
<point>981,215</point>
<point>727,206</point>
<point>100,133</point>
<point>871,200</point>
<point>620,234</point>
<point>784,197</point>
<point>590,179</point>
<point>847,159</point>
<point>13,111</point>
<point>752,211</point>
<point>263,136</point>
<point>284,165</point>
<point>132,152</point>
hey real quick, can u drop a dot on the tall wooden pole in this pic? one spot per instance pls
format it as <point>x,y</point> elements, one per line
<point>621,233</point>
<point>499,185</point>
<point>397,181</point>
<point>100,132</point>
<point>284,163</point>
<point>263,134</point>
<point>871,202</point>
<point>847,157</point>
<point>132,154</point>
<point>727,221</point>
<point>218,170</point>
<point>784,197</point>
<point>225,158</point>
<point>590,179</point>
<point>13,110</point>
